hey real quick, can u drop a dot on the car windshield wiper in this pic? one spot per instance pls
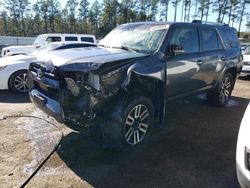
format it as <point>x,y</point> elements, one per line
<point>127,48</point>
<point>103,46</point>
<point>124,48</point>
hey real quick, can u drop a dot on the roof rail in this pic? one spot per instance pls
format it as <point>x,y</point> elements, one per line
<point>209,23</point>
<point>196,21</point>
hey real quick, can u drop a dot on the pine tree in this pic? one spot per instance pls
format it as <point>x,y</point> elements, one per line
<point>164,9</point>
<point>84,14</point>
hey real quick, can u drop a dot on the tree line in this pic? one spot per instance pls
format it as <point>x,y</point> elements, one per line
<point>21,18</point>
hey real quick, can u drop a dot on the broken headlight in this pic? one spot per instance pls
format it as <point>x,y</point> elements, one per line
<point>114,77</point>
<point>76,80</point>
<point>94,81</point>
<point>73,81</point>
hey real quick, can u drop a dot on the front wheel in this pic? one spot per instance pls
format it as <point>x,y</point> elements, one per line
<point>136,121</point>
<point>221,94</point>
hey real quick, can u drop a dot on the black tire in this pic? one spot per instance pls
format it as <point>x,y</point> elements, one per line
<point>222,93</point>
<point>18,81</point>
<point>136,121</point>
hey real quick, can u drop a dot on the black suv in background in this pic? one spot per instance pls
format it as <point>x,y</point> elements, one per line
<point>137,68</point>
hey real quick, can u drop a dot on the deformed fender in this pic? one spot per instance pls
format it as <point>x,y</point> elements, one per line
<point>154,72</point>
<point>157,74</point>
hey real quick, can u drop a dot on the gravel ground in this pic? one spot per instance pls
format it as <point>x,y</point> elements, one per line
<point>196,148</point>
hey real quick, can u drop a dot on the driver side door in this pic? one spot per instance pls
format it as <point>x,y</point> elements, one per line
<point>183,62</point>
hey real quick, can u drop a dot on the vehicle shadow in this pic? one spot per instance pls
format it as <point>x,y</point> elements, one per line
<point>244,77</point>
<point>7,96</point>
<point>196,148</point>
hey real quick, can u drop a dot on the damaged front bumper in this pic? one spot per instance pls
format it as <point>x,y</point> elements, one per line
<point>65,101</point>
<point>48,105</point>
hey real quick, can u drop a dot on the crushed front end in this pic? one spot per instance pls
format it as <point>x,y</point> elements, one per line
<point>74,93</point>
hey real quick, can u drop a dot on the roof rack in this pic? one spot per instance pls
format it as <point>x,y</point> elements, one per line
<point>209,23</point>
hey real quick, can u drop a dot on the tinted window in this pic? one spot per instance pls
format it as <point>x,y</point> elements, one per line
<point>186,40</point>
<point>53,39</point>
<point>70,38</point>
<point>209,40</point>
<point>87,39</point>
<point>232,40</point>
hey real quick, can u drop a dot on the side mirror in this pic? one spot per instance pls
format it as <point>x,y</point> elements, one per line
<point>175,49</point>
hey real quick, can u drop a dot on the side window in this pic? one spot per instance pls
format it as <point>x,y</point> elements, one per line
<point>210,40</point>
<point>185,40</point>
<point>231,38</point>
<point>53,39</point>
<point>87,39</point>
<point>70,38</point>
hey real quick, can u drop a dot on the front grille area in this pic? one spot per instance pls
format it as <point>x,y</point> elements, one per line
<point>45,81</point>
<point>35,68</point>
<point>48,91</point>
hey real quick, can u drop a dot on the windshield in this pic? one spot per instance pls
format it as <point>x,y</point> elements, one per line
<point>46,48</point>
<point>40,40</point>
<point>138,37</point>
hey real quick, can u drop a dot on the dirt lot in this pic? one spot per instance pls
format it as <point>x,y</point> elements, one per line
<point>196,148</point>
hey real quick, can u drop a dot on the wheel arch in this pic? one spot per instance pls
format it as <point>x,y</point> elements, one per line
<point>149,87</point>
<point>228,69</point>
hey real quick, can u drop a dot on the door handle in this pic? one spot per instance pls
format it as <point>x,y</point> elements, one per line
<point>199,62</point>
<point>223,58</point>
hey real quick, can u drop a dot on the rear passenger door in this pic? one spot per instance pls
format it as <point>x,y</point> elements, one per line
<point>213,54</point>
<point>185,68</point>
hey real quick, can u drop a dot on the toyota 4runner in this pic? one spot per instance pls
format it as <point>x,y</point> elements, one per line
<point>137,68</point>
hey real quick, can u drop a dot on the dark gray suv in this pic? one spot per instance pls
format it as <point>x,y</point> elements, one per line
<point>126,82</point>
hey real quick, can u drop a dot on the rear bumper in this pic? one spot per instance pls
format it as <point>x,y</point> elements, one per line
<point>46,104</point>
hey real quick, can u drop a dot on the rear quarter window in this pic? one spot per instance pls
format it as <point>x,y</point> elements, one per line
<point>231,40</point>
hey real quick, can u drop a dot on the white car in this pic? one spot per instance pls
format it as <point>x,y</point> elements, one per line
<point>243,151</point>
<point>13,69</point>
<point>45,39</point>
<point>246,62</point>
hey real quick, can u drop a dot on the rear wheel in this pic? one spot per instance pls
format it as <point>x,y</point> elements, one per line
<point>221,94</point>
<point>18,81</point>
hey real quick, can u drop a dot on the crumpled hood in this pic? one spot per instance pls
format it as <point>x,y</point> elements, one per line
<point>90,55</point>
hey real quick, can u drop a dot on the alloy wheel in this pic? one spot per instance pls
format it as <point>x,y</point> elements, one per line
<point>20,82</point>
<point>136,124</point>
<point>225,89</point>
